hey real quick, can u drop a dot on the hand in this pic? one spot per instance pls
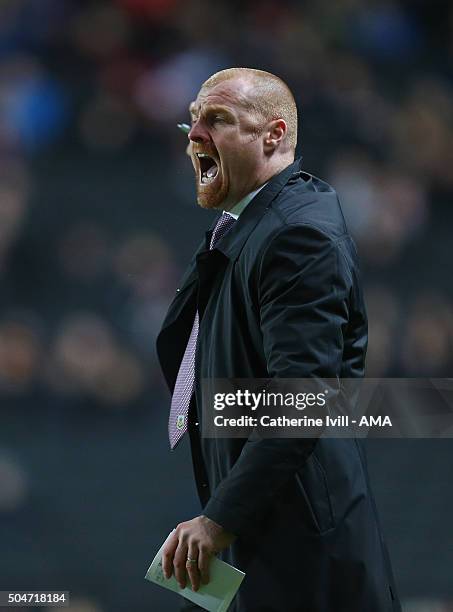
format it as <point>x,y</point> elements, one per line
<point>197,539</point>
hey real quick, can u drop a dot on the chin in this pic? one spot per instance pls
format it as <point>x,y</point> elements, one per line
<point>211,197</point>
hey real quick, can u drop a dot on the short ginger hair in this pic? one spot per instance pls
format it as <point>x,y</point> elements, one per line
<point>269,96</point>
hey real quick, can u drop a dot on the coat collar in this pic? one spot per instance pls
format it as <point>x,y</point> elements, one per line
<point>232,243</point>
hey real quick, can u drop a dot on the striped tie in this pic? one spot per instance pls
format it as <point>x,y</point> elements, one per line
<point>177,423</point>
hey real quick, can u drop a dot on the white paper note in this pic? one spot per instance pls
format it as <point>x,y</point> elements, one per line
<point>216,596</point>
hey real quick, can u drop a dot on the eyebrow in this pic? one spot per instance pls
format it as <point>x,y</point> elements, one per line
<point>210,108</point>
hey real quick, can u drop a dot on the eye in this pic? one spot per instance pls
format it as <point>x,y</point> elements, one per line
<point>217,119</point>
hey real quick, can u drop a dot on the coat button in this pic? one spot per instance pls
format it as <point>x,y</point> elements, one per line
<point>204,484</point>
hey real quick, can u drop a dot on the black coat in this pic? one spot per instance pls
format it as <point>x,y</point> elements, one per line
<point>280,296</point>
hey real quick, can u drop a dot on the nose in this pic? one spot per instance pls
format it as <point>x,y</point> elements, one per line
<point>197,133</point>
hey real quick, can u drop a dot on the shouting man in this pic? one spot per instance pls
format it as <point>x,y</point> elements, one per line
<point>272,292</point>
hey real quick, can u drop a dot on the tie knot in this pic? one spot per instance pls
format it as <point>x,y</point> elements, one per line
<point>224,223</point>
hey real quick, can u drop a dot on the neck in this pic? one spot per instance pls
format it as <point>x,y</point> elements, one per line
<point>274,166</point>
<point>268,173</point>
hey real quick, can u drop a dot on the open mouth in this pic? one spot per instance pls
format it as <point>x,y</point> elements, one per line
<point>208,168</point>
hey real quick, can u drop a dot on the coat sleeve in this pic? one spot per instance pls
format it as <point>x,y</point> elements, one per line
<point>303,287</point>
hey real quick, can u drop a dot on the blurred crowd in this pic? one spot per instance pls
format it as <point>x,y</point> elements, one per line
<point>96,194</point>
<point>102,79</point>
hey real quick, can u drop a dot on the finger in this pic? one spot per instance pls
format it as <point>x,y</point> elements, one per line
<point>168,554</point>
<point>204,561</point>
<point>192,568</point>
<point>179,563</point>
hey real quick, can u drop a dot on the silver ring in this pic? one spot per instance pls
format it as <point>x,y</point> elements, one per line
<point>189,560</point>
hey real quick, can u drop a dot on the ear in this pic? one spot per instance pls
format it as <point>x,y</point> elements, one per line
<point>274,134</point>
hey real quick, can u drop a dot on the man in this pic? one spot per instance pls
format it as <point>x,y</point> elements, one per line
<point>274,292</point>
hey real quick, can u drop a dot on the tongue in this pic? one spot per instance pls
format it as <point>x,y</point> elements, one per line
<point>212,171</point>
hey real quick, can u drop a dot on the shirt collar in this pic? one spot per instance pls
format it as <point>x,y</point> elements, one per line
<point>239,207</point>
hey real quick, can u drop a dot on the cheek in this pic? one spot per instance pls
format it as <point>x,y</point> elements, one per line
<point>238,158</point>
<point>234,158</point>
<point>242,164</point>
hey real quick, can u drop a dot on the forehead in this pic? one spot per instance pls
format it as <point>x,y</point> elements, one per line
<point>231,94</point>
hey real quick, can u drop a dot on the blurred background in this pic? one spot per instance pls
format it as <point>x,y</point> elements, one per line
<point>98,219</point>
